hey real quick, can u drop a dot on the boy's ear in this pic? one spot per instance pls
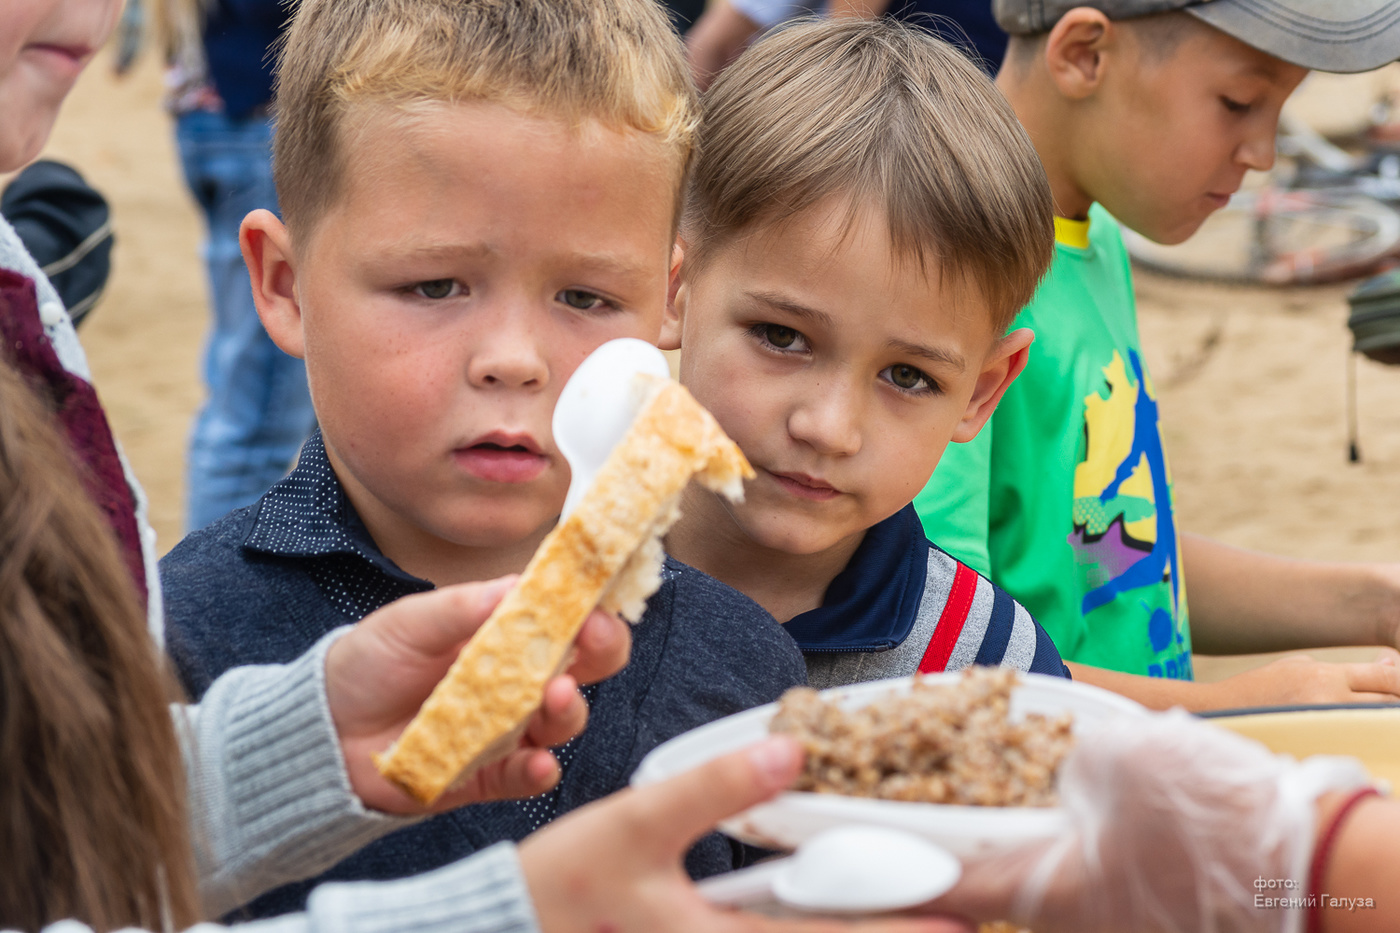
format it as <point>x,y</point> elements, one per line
<point>1001,368</point>
<point>1074,51</point>
<point>267,251</point>
<point>675,301</point>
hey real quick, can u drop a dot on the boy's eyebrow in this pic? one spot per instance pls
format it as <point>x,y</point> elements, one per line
<point>437,250</point>
<point>783,303</point>
<point>607,263</point>
<point>949,358</point>
<point>600,262</point>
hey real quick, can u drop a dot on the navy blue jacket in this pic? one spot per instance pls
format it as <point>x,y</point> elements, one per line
<point>264,583</point>
<point>968,24</point>
<point>238,37</point>
<point>895,599</point>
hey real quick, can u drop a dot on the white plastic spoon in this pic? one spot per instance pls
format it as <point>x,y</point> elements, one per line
<point>849,869</point>
<point>598,404</point>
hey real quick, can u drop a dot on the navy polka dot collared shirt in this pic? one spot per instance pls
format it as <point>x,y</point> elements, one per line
<point>263,584</point>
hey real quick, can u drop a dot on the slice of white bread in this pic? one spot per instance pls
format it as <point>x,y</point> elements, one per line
<point>607,551</point>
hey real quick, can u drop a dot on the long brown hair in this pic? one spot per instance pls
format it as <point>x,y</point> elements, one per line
<point>93,823</point>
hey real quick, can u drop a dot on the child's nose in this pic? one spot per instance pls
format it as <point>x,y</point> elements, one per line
<point>508,356</point>
<point>828,420</point>
<point>1257,151</point>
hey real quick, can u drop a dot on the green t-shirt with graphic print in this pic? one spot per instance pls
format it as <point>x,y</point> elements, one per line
<point>1064,499</point>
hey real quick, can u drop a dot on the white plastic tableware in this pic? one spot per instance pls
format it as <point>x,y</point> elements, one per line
<point>792,818</point>
<point>598,404</point>
<point>850,869</point>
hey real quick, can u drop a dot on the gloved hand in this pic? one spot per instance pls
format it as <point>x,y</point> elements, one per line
<point>1176,825</point>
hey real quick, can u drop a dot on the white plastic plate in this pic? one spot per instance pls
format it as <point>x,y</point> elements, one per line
<point>792,818</point>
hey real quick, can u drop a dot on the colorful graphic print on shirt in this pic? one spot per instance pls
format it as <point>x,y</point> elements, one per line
<point>1124,538</point>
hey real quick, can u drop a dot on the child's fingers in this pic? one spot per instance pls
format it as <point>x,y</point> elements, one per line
<point>690,804</point>
<point>525,772</point>
<point>439,622</point>
<point>1388,655</point>
<point>601,648</point>
<point>1372,698</point>
<point>1382,680</point>
<point>561,716</point>
<point>531,770</point>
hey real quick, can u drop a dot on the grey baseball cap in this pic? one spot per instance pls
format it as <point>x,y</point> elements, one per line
<point>1326,35</point>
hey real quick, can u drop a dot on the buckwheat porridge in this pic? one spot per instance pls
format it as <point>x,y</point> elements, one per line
<point>952,743</point>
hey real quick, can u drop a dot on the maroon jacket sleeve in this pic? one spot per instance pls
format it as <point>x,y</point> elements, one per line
<point>79,413</point>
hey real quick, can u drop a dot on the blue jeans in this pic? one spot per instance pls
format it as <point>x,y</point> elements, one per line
<point>258,410</point>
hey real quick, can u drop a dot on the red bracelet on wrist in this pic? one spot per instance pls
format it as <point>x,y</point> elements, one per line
<point>1317,869</point>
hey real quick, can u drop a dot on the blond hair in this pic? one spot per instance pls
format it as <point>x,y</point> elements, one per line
<point>615,61</point>
<point>883,114</point>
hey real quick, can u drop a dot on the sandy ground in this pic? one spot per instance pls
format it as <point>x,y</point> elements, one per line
<point>1251,381</point>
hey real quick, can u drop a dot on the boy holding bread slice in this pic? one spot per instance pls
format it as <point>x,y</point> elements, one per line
<point>865,219</point>
<point>476,195</point>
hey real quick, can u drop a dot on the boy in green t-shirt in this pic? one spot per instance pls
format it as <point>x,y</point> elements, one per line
<point>1065,497</point>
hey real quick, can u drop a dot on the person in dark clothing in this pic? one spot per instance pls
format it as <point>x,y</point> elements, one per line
<point>728,26</point>
<point>683,13</point>
<point>257,411</point>
<point>967,24</point>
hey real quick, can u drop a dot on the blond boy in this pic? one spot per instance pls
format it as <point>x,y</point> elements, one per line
<point>476,194</point>
<point>866,219</point>
<point>1151,118</point>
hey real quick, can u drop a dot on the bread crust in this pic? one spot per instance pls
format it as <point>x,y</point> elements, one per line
<point>477,713</point>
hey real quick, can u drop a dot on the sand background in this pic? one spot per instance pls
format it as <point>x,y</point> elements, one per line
<point>1251,381</point>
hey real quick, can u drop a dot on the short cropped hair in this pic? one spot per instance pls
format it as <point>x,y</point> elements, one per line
<point>880,114</point>
<point>616,61</point>
<point>1158,36</point>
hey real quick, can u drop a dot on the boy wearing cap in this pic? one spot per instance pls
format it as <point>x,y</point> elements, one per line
<point>1150,111</point>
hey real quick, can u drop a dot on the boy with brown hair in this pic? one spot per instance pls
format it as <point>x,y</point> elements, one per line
<point>1150,112</point>
<point>476,194</point>
<point>865,220</point>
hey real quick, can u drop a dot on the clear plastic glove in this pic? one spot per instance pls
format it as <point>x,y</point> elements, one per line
<point>1177,825</point>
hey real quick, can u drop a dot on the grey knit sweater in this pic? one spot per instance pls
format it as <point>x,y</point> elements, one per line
<point>271,803</point>
<point>274,805</point>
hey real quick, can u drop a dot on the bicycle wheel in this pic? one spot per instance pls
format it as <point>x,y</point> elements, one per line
<point>1277,236</point>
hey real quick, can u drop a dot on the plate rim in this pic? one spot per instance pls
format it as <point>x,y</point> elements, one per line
<point>1000,823</point>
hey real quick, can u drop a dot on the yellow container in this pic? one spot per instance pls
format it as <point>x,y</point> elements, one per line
<point>1370,733</point>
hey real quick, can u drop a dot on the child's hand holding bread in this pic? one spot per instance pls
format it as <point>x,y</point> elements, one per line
<point>379,673</point>
<point>605,552</point>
